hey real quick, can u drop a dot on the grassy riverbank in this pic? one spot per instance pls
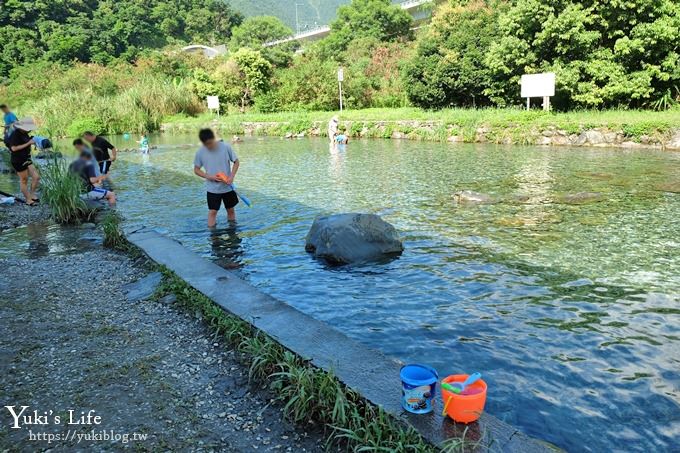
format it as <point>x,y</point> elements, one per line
<point>490,116</point>
<point>503,125</point>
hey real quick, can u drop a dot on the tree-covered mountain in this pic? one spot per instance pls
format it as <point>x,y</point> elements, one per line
<point>105,30</point>
<point>310,12</point>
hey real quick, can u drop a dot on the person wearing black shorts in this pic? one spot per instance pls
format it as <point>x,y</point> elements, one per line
<point>215,200</point>
<point>20,147</point>
<point>101,148</point>
<point>213,162</point>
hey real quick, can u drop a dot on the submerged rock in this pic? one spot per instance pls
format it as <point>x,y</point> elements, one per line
<point>353,238</point>
<point>580,198</point>
<point>673,187</point>
<point>520,199</point>
<point>470,197</point>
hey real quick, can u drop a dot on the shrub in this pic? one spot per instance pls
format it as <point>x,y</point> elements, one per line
<point>113,235</point>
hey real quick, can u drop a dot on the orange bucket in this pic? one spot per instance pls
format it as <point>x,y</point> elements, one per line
<point>464,408</point>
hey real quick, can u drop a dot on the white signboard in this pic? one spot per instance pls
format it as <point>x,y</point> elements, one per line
<point>538,85</point>
<point>213,103</point>
<point>341,75</point>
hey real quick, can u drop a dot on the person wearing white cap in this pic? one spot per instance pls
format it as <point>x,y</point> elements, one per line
<point>333,128</point>
<point>20,146</point>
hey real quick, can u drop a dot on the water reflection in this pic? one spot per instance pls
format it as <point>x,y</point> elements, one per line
<point>41,239</point>
<point>225,244</point>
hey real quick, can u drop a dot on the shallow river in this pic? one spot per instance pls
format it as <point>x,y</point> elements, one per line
<point>571,312</point>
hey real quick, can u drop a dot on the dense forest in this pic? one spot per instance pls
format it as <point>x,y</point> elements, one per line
<point>116,65</point>
<point>105,30</point>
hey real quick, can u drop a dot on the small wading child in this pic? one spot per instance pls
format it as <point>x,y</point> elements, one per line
<point>144,144</point>
<point>212,158</point>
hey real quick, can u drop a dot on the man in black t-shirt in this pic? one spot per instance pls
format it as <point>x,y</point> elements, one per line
<point>20,142</point>
<point>101,148</point>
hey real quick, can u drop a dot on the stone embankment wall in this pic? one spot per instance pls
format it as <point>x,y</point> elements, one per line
<point>508,135</point>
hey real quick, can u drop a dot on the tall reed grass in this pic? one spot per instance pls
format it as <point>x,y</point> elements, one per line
<point>61,190</point>
<point>139,107</point>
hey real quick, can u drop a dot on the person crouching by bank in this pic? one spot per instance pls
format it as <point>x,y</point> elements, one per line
<point>20,142</point>
<point>84,166</point>
<point>81,147</point>
<point>101,148</point>
<point>213,158</point>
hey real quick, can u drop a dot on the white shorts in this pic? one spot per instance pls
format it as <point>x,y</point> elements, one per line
<point>96,194</point>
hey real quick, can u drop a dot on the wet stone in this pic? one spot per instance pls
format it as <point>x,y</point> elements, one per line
<point>143,288</point>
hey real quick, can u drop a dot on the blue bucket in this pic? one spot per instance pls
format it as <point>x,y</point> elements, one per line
<point>418,384</point>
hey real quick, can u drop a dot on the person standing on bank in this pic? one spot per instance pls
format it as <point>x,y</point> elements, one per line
<point>20,143</point>
<point>101,148</point>
<point>214,157</point>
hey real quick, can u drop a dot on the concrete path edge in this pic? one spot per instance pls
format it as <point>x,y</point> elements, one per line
<point>367,371</point>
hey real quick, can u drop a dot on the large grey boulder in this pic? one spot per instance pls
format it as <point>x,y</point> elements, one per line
<point>353,238</point>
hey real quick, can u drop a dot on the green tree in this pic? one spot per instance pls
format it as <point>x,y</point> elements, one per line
<point>256,31</point>
<point>254,74</point>
<point>310,83</point>
<point>378,19</point>
<point>604,52</point>
<point>19,46</point>
<point>449,67</point>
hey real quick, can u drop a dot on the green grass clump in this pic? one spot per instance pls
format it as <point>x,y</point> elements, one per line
<point>113,235</point>
<point>61,190</point>
<point>308,393</point>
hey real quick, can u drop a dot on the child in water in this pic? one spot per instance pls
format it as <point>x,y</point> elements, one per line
<point>341,138</point>
<point>144,144</point>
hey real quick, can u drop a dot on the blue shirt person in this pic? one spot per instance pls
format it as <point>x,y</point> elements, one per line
<point>9,119</point>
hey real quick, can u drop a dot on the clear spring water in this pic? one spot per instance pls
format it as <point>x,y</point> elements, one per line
<point>571,312</point>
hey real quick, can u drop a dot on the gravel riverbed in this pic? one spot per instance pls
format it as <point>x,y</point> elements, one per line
<point>17,214</point>
<point>73,341</point>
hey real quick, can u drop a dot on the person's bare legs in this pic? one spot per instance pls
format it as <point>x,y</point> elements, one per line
<point>111,198</point>
<point>35,181</point>
<point>231,215</point>
<point>23,184</point>
<point>212,218</point>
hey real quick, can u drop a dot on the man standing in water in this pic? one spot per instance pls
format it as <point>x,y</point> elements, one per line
<point>333,128</point>
<point>101,148</point>
<point>216,157</point>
